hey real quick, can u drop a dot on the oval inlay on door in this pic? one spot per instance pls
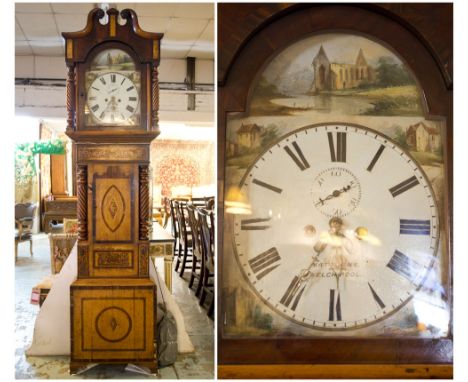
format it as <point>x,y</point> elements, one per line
<point>113,208</point>
<point>113,324</point>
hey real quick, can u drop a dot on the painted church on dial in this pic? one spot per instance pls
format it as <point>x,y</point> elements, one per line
<point>331,75</point>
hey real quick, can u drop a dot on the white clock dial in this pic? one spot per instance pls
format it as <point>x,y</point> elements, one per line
<point>112,98</point>
<point>343,230</point>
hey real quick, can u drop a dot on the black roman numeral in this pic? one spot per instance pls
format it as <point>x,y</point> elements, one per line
<point>95,107</point>
<point>130,109</point>
<point>102,80</point>
<point>267,186</point>
<point>403,265</point>
<point>130,88</point>
<point>293,293</point>
<point>265,262</point>
<point>334,306</point>
<point>92,87</point>
<point>132,98</point>
<point>252,224</point>
<point>123,81</point>
<point>377,299</point>
<point>113,78</point>
<point>102,115</point>
<point>375,158</point>
<point>300,160</point>
<point>404,186</point>
<point>415,227</point>
<point>92,98</point>
<point>338,154</point>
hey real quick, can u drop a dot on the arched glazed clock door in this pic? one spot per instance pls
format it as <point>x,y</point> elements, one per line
<point>335,161</point>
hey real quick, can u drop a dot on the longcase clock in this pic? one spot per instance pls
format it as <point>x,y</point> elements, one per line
<point>112,106</point>
<point>334,136</point>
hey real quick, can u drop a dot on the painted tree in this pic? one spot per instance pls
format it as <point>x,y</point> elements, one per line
<point>392,73</point>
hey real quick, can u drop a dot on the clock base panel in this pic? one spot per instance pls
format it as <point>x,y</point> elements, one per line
<point>113,321</point>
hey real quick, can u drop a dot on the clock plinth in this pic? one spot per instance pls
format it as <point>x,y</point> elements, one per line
<point>112,94</point>
<point>120,313</point>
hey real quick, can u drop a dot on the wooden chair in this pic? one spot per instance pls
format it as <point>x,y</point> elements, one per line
<point>202,201</point>
<point>24,219</point>
<point>175,231</point>
<point>206,220</point>
<point>197,254</point>
<point>166,211</point>
<point>185,237</point>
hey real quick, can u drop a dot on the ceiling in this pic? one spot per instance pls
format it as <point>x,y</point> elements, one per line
<point>188,28</point>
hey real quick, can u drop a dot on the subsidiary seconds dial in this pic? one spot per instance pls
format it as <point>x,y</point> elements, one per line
<point>343,230</point>
<point>336,192</point>
<point>112,98</point>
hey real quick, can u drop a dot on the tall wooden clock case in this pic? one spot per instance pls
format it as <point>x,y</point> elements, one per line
<point>112,105</point>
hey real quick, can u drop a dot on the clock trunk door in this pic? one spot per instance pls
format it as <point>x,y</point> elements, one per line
<point>113,219</point>
<point>113,204</point>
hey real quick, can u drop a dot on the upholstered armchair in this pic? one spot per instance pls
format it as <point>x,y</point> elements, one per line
<point>24,219</point>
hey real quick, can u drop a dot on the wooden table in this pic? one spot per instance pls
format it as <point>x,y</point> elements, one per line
<point>162,245</point>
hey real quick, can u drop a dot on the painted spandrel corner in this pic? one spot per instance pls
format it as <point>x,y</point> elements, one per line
<point>347,262</point>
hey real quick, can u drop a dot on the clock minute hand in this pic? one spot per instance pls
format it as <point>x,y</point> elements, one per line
<point>297,286</point>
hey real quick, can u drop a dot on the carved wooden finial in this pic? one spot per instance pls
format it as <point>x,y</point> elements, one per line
<point>78,46</point>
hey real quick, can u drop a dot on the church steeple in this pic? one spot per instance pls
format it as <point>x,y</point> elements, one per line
<point>321,65</point>
<point>361,60</point>
<point>321,55</point>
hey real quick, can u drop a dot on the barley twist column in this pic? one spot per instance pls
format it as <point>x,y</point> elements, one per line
<point>154,98</point>
<point>82,194</point>
<point>71,98</point>
<point>144,201</point>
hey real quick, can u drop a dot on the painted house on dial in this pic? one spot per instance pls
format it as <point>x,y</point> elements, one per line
<point>421,137</point>
<point>331,75</point>
<point>249,135</point>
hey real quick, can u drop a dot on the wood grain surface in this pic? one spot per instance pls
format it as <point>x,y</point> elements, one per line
<point>334,371</point>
